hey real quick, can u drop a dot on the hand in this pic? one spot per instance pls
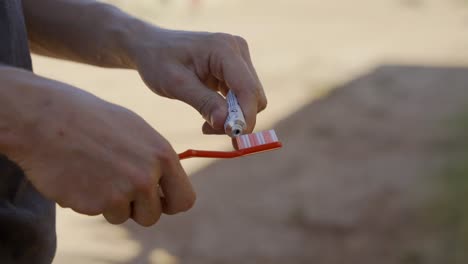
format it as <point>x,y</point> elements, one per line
<point>95,157</point>
<point>194,66</point>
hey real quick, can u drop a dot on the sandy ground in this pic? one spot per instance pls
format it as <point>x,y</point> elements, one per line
<point>310,201</point>
<point>341,191</point>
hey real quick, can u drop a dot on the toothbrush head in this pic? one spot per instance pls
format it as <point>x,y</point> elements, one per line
<point>257,142</point>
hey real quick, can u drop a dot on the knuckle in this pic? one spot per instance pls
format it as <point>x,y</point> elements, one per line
<point>116,201</point>
<point>223,41</point>
<point>221,37</point>
<point>143,184</point>
<point>138,180</point>
<point>164,151</point>
<point>241,42</point>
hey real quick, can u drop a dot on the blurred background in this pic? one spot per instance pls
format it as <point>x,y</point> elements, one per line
<point>370,100</point>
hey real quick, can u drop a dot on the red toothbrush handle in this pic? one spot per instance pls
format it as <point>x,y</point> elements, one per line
<point>191,153</point>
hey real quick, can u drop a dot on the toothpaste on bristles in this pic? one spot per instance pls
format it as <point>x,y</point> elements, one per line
<point>235,123</point>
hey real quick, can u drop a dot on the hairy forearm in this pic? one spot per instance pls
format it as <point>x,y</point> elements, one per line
<point>81,30</point>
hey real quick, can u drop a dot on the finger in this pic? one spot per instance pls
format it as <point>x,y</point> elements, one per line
<point>216,85</point>
<point>179,195</point>
<point>208,130</point>
<point>234,144</point>
<point>238,77</point>
<point>212,83</point>
<point>147,208</point>
<point>118,212</point>
<point>211,105</point>
<point>223,88</point>
<point>245,53</point>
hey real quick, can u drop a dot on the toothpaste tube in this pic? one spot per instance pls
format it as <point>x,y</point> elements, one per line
<point>235,122</point>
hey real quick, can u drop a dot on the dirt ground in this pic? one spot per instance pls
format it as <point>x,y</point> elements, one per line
<point>358,162</point>
<point>354,193</point>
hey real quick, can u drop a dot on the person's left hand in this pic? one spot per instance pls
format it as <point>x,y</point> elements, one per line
<point>194,66</point>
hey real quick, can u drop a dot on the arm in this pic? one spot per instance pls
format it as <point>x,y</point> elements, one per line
<point>80,30</point>
<point>189,66</point>
<point>87,154</point>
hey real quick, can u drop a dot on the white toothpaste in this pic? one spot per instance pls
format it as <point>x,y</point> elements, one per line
<point>235,122</point>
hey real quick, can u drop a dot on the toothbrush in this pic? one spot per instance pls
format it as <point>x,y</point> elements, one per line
<point>234,127</point>
<point>245,145</point>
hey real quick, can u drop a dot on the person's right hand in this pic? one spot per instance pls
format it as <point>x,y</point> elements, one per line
<point>96,157</point>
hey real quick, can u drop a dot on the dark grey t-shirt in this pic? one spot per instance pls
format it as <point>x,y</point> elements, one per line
<point>27,219</point>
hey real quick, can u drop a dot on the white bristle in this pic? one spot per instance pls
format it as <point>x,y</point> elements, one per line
<point>256,139</point>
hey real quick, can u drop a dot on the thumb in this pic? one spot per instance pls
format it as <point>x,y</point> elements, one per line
<point>210,104</point>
